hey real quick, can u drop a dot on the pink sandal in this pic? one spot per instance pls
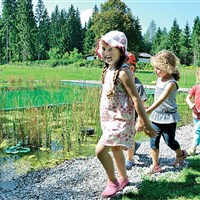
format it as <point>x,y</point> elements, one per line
<point>111,189</point>
<point>123,183</point>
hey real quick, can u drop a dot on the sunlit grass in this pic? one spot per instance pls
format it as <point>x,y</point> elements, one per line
<point>177,186</point>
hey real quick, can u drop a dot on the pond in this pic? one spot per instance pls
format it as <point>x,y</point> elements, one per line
<point>56,123</point>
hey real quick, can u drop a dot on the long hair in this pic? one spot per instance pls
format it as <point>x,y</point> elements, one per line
<point>116,74</point>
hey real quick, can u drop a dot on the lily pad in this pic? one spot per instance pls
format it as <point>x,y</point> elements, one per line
<point>17,149</point>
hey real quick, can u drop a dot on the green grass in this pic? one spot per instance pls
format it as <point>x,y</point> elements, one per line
<point>48,73</point>
<point>182,186</point>
<point>187,80</point>
<point>22,73</point>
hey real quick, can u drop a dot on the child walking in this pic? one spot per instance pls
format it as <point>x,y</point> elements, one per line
<point>164,114</point>
<point>193,101</point>
<point>131,61</point>
<point>119,99</point>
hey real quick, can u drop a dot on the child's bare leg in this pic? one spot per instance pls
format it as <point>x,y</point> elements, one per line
<point>179,152</point>
<point>120,161</point>
<point>154,155</point>
<point>106,160</point>
<point>130,152</point>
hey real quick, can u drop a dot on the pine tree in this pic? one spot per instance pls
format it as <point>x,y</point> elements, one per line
<point>196,42</point>
<point>89,39</point>
<point>8,30</point>
<point>174,38</point>
<point>149,35</point>
<point>63,40</point>
<point>43,29</point>
<point>186,51</point>
<point>55,28</point>
<point>159,41</point>
<point>74,30</point>
<point>151,31</point>
<point>138,41</point>
<point>27,31</point>
<point>1,43</point>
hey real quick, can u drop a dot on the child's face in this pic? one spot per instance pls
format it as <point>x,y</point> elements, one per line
<point>110,54</point>
<point>160,72</point>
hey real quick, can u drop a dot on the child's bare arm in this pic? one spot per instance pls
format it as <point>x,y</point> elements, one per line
<point>189,101</point>
<point>129,84</point>
<point>169,88</point>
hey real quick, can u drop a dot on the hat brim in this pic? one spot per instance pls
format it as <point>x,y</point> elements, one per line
<point>112,43</point>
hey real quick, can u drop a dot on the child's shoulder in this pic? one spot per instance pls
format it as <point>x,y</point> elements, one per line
<point>124,65</point>
<point>195,87</point>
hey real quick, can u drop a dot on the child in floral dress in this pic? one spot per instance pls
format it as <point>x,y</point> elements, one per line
<point>119,100</point>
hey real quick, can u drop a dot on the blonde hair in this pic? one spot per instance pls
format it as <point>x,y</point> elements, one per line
<point>166,60</point>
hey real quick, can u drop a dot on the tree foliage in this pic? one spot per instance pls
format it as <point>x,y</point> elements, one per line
<point>174,38</point>
<point>196,41</point>
<point>89,39</point>
<point>115,15</point>
<point>27,36</point>
<point>43,30</point>
<point>26,27</point>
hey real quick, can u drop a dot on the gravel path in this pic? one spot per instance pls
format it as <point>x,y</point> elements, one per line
<point>85,178</point>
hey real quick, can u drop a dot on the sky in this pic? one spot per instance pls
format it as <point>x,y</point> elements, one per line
<point>163,12</point>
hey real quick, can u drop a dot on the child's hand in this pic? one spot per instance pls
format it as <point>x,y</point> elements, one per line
<point>146,106</point>
<point>150,131</point>
<point>147,110</point>
<point>139,125</point>
<point>192,106</point>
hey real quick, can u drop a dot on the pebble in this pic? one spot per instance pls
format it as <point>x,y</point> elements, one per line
<point>85,178</point>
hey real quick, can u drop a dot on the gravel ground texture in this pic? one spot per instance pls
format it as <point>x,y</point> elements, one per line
<point>85,178</point>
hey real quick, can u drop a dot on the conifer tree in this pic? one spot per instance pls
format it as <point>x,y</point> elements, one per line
<point>137,44</point>
<point>196,41</point>
<point>174,38</point>
<point>8,30</point>
<point>89,39</point>
<point>27,31</point>
<point>63,40</point>
<point>159,41</point>
<point>43,30</point>
<point>55,28</point>
<point>186,51</point>
<point>74,30</point>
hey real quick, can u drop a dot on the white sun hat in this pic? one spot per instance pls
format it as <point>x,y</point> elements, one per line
<point>113,39</point>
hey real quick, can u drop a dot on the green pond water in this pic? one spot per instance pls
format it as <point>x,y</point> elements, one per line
<point>15,164</point>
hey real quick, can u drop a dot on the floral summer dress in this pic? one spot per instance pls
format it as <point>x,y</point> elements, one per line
<point>117,115</point>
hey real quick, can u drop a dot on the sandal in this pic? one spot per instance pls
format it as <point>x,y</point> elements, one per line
<point>111,189</point>
<point>153,170</point>
<point>180,160</point>
<point>129,164</point>
<point>122,183</point>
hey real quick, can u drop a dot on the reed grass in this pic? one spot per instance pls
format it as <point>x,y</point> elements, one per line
<point>37,127</point>
<point>56,127</point>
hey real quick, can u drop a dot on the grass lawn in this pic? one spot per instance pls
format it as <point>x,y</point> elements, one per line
<point>184,186</point>
<point>22,73</point>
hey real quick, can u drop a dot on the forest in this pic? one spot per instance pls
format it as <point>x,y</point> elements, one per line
<point>36,35</point>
